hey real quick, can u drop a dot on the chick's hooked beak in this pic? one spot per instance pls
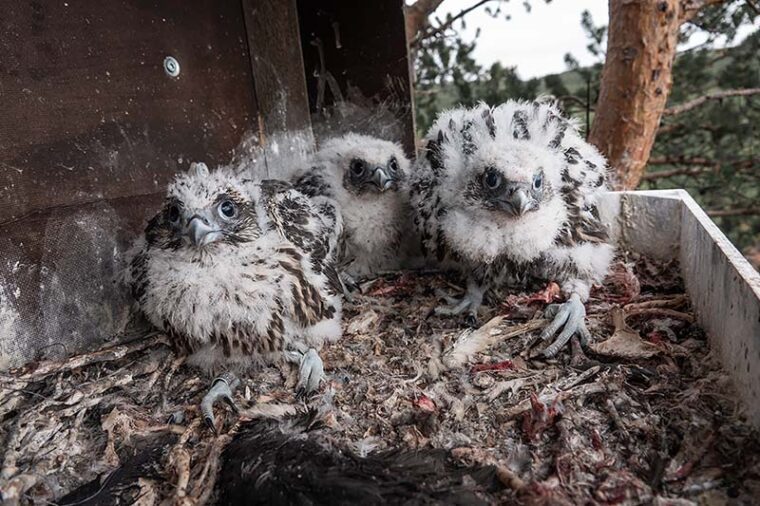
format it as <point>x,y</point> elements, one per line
<point>516,199</point>
<point>201,232</point>
<point>381,179</point>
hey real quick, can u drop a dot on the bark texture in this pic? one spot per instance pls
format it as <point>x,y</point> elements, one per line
<point>636,81</point>
<point>417,16</point>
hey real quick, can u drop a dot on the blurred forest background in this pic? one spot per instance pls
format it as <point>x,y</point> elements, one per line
<point>706,134</point>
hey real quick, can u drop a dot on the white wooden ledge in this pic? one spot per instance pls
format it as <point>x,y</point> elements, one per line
<point>724,288</point>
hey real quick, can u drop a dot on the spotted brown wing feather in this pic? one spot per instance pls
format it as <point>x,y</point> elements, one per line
<point>430,174</point>
<point>272,187</point>
<point>138,273</point>
<point>424,196</point>
<point>314,227</point>
<point>313,183</point>
<point>584,179</point>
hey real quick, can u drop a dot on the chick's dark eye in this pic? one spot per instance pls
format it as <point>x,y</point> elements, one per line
<point>227,209</point>
<point>174,213</point>
<point>492,179</point>
<point>538,181</point>
<point>357,167</point>
<point>393,164</point>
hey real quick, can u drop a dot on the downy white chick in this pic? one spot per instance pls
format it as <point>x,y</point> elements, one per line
<point>509,194</point>
<point>239,273</point>
<point>367,177</point>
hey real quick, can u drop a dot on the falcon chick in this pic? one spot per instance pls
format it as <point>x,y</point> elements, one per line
<point>239,273</point>
<point>367,177</point>
<point>509,195</point>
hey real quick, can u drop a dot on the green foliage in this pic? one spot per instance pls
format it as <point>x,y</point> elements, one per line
<point>713,150</point>
<point>445,70</point>
<point>446,74</point>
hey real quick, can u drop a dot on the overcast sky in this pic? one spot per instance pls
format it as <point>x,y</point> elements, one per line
<point>534,42</point>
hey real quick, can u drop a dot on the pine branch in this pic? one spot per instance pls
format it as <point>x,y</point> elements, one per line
<point>684,171</point>
<point>752,6</point>
<point>690,8</point>
<point>742,211</point>
<point>674,127</point>
<point>445,26</point>
<point>681,160</point>
<point>665,129</point>
<point>694,166</point>
<point>575,100</point>
<point>693,104</point>
<point>417,15</point>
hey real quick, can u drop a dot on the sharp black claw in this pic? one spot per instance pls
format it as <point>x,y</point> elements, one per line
<point>548,353</point>
<point>221,388</point>
<point>231,403</point>
<point>176,417</point>
<point>349,286</point>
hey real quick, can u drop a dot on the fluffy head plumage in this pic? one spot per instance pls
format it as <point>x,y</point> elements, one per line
<point>204,210</point>
<point>363,165</point>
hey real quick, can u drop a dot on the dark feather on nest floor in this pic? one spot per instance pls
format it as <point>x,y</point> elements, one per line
<point>283,462</point>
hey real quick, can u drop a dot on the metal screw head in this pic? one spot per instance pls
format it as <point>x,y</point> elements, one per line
<point>171,66</point>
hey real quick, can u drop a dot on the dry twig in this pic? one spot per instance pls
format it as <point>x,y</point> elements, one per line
<point>581,391</point>
<point>38,371</point>
<point>471,456</point>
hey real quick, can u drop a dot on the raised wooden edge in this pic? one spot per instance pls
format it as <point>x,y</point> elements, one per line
<point>724,288</point>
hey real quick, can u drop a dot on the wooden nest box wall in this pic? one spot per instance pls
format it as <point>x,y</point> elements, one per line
<point>101,103</point>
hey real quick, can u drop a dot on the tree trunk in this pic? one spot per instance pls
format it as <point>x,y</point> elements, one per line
<point>417,16</point>
<point>636,81</point>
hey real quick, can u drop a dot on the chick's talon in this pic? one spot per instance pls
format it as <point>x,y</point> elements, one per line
<point>178,417</point>
<point>471,320</point>
<point>222,388</point>
<point>469,304</point>
<point>571,317</point>
<point>349,285</point>
<point>310,373</point>
<point>454,309</point>
<point>450,300</point>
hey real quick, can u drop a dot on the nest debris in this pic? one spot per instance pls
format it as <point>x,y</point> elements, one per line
<point>645,415</point>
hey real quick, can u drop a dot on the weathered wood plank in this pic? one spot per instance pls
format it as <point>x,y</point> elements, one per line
<point>87,111</point>
<point>277,64</point>
<point>725,292</point>
<point>365,48</point>
<point>723,288</point>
